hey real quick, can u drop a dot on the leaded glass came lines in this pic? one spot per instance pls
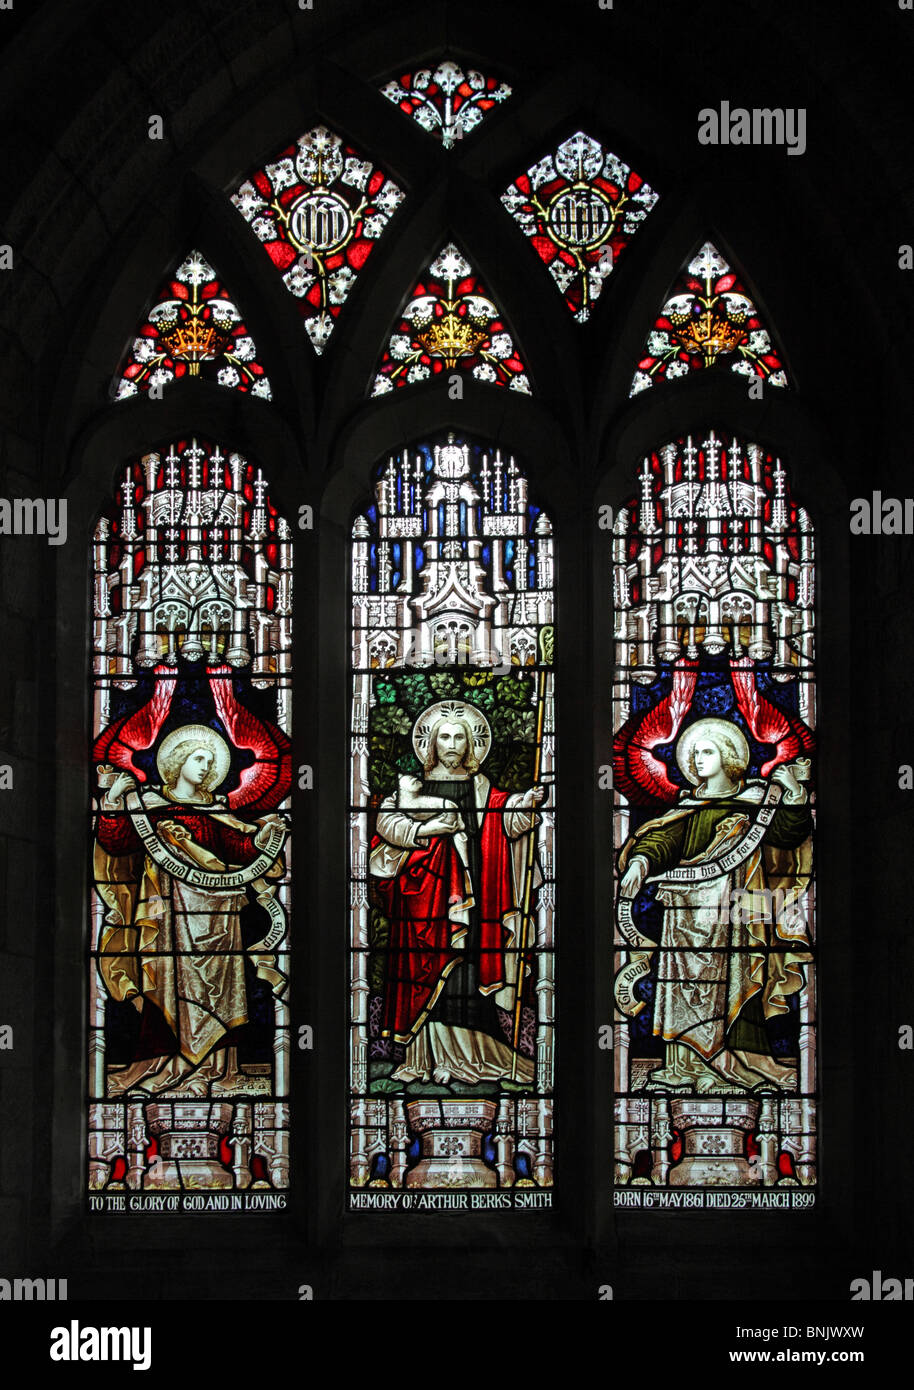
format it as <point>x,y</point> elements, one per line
<point>194,329</point>
<point>318,208</point>
<point>450,324</point>
<point>708,321</point>
<point>580,207</point>
<point>714,715</point>
<point>446,101</point>
<point>189,1026</point>
<point>452,832</point>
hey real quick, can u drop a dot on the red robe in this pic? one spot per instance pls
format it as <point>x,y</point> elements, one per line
<point>423,903</point>
<point>116,834</point>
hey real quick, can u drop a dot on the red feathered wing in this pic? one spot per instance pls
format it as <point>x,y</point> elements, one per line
<point>268,780</point>
<point>135,732</point>
<point>640,776</point>
<point>767,723</point>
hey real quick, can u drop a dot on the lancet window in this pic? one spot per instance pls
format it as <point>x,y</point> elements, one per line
<point>714,716</point>
<point>191,722</point>
<point>452,826</point>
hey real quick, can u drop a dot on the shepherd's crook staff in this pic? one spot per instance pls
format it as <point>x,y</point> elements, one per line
<point>546,656</point>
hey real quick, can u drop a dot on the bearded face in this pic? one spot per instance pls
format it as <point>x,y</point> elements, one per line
<point>451,745</point>
<point>451,750</point>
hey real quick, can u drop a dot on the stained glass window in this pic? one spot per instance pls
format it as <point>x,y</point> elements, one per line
<point>318,208</point>
<point>580,206</point>
<point>708,321</point>
<point>446,101</point>
<point>188,973</point>
<point>450,324</point>
<point>194,329</point>
<point>452,836</point>
<point>714,716</point>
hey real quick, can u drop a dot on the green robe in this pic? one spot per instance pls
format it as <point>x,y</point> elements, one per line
<point>707,996</point>
<point>683,836</point>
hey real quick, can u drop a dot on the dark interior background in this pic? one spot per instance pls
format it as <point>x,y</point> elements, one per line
<point>97,213</point>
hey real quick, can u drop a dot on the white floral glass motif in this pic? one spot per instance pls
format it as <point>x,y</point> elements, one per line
<point>194,329</point>
<point>446,101</point>
<point>450,324</point>
<point>709,320</point>
<point>580,206</point>
<point>318,208</point>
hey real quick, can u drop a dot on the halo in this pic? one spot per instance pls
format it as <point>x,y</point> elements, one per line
<point>478,725</point>
<point>708,728</point>
<point>204,737</point>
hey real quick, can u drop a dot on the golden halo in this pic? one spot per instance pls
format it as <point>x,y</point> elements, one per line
<point>476,721</point>
<point>202,736</point>
<point>714,730</point>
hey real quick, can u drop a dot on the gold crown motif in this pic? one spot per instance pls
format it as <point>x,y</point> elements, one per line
<point>194,339</point>
<point>451,337</point>
<point>710,334</point>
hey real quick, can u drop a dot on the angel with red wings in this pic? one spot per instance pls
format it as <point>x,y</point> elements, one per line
<point>173,867</point>
<point>726,963</point>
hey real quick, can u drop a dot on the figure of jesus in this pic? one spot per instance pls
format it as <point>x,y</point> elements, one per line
<point>453,873</point>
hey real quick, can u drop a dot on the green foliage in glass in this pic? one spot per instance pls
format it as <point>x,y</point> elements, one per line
<point>507,701</point>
